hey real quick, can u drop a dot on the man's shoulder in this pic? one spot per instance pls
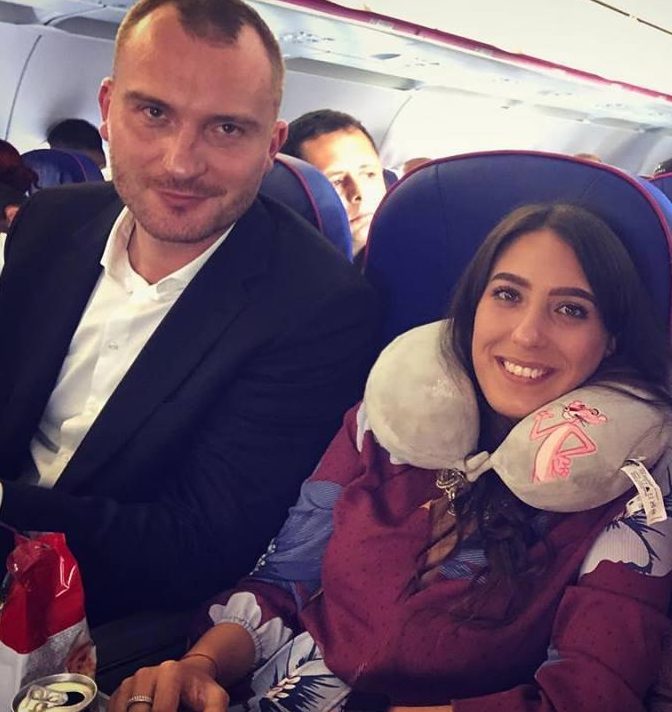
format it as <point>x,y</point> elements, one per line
<point>83,200</point>
<point>299,248</point>
<point>54,214</point>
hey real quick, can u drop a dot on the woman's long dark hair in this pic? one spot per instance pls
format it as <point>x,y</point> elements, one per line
<point>641,357</point>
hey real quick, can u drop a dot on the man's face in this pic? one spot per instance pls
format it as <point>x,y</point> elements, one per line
<point>352,165</point>
<point>192,128</point>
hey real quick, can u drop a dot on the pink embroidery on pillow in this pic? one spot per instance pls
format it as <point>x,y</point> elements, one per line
<point>554,457</point>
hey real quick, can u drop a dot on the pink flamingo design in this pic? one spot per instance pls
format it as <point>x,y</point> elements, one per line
<point>554,459</point>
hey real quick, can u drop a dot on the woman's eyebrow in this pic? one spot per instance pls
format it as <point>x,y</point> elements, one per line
<point>557,292</point>
<point>509,277</point>
<point>573,292</point>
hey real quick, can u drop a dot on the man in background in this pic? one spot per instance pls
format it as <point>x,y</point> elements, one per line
<point>80,136</point>
<point>339,146</point>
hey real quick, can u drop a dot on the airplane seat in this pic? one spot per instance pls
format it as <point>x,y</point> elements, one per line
<point>56,167</point>
<point>390,177</point>
<point>664,183</point>
<point>306,190</point>
<point>432,221</point>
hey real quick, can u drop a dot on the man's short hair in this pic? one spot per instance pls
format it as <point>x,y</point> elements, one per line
<point>213,21</point>
<point>317,123</point>
<point>663,167</point>
<point>75,134</point>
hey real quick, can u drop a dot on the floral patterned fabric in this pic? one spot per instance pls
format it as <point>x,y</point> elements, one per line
<point>333,603</point>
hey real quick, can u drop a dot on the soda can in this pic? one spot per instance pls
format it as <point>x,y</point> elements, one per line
<point>67,692</point>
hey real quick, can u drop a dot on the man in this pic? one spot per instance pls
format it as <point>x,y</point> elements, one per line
<point>171,371</point>
<point>344,151</point>
<point>80,136</point>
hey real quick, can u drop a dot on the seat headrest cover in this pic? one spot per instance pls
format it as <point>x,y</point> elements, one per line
<point>564,457</point>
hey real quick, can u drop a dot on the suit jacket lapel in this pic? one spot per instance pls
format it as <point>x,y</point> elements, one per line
<point>53,315</point>
<point>206,309</point>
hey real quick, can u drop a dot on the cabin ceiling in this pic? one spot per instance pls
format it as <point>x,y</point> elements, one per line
<point>600,62</point>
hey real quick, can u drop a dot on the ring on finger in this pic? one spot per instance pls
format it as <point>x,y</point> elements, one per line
<point>139,699</point>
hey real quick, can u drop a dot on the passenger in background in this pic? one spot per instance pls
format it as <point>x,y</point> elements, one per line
<point>80,136</point>
<point>663,167</point>
<point>340,146</point>
<point>15,181</point>
<point>528,588</point>
<point>412,163</point>
<point>589,157</point>
<point>174,357</point>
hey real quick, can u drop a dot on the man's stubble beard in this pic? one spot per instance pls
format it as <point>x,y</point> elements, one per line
<point>134,194</point>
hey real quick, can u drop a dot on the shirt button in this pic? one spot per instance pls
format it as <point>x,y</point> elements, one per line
<point>112,345</point>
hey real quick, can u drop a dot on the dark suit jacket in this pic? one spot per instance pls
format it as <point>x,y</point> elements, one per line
<point>191,466</point>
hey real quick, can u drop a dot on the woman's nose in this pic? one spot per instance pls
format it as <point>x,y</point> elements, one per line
<point>530,329</point>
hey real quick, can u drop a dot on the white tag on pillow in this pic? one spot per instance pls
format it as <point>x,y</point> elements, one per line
<point>649,495</point>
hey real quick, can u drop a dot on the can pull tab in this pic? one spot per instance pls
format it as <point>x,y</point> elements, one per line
<point>39,699</point>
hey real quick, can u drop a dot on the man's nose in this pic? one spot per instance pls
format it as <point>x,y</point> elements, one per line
<point>353,190</point>
<point>182,154</point>
<point>530,329</point>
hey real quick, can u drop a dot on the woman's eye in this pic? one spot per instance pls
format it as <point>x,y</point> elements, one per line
<point>505,294</point>
<point>575,311</point>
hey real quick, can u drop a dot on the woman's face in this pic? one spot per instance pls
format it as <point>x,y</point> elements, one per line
<point>537,330</point>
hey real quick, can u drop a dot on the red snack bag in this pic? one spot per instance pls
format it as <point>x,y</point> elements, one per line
<point>43,628</point>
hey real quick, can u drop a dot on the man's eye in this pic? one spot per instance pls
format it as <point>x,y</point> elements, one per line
<point>575,311</point>
<point>229,129</point>
<point>153,112</point>
<point>337,182</point>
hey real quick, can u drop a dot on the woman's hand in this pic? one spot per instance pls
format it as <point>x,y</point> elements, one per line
<point>186,683</point>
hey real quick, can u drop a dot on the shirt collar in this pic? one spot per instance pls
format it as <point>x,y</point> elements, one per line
<point>117,266</point>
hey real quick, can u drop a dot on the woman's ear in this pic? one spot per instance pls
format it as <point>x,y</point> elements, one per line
<point>611,347</point>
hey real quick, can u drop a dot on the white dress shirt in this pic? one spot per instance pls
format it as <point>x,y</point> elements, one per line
<point>122,313</point>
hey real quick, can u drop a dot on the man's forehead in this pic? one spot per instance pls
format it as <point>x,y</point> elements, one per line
<point>343,147</point>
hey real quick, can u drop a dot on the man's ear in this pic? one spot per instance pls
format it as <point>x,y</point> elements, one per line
<point>104,97</point>
<point>278,138</point>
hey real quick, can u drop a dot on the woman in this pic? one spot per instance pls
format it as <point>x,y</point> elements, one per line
<point>15,180</point>
<point>470,600</point>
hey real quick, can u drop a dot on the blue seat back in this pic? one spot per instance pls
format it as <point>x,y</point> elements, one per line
<point>55,167</point>
<point>433,220</point>
<point>307,191</point>
<point>664,183</point>
<point>390,177</point>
